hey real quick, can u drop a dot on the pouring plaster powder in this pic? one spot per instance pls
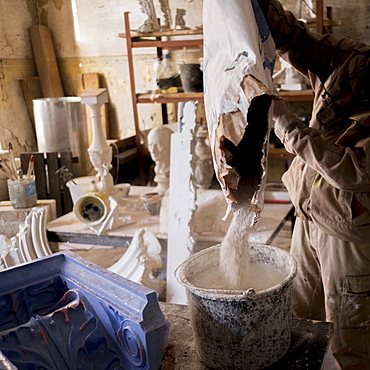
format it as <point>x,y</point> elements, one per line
<point>235,271</point>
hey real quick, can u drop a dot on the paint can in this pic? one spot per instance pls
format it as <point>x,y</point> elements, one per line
<point>240,329</point>
<point>22,192</point>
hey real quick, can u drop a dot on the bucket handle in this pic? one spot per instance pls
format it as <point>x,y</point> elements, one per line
<point>176,273</point>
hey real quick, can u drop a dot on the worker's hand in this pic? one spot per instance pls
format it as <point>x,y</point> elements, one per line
<point>279,109</point>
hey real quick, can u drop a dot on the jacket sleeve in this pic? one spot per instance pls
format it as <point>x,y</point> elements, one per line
<point>310,53</point>
<point>344,168</point>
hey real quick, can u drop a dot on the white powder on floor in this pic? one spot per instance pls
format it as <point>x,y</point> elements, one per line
<point>235,250</point>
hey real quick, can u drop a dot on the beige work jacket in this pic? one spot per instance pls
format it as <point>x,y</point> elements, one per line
<point>329,180</point>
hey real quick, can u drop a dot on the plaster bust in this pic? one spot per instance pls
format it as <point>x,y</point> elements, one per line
<point>159,146</point>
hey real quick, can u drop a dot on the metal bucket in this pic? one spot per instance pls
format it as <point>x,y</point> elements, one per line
<point>61,126</point>
<point>236,329</point>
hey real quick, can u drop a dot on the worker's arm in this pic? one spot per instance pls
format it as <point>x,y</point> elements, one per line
<point>311,53</point>
<point>344,168</point>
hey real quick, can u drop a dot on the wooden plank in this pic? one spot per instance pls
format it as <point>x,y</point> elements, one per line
<point>168,45</point>
<point>88,81</point>
<point>46,61</point>
<point>129,47</point>
<point>279,153</point>
<point>40,174</point>
<point>169,98</point>
<point>31,89</point>
<point>198,31</point>
<point>319,16</point>
<point>302,95</point>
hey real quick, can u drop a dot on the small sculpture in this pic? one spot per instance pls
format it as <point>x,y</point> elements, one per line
<point>180,22</point>
<point>151,24</point>
<point>159,145</point>
<point>167,14</point>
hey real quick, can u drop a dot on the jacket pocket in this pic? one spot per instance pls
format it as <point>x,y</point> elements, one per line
<point>355,305</point>
<point>329,203</point>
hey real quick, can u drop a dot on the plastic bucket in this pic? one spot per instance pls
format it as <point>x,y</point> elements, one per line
<point>237,329</point>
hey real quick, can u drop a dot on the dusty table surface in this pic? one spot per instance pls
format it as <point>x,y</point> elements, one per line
<point>68,228</point>
<point>310,341</point>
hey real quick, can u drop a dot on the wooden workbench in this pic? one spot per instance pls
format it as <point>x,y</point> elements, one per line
<point>69,229</point>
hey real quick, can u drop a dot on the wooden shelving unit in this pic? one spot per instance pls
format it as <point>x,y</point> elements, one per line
<point>159,40</point>
<point>164,40</point>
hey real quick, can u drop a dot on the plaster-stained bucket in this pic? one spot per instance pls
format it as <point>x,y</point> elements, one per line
<point>236,329</point>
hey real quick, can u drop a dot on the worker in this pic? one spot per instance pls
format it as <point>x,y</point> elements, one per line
<point>329,183</point>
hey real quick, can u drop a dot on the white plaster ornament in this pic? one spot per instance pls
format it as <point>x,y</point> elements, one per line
<point>30,242</point>
<point>141,260</point>
<point>100,152</point>
<point>152,24</point>
<point>159,146</point>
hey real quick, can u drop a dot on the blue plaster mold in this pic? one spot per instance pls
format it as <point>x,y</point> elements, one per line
<point>63,312</point>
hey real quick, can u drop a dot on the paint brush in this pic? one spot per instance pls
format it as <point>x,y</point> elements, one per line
<point>12,160</point>
<point>31,165</point>
<point>6,168</point>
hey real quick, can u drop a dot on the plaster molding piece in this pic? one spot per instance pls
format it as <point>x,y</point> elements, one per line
<point>13,258</point>
<point>107,221</point>
<point>113,219</point>
<point>9,252</point>
<point>25,240</point>
<point>141,260</point>
<point>167,14</point>
<point>180,22</point>
<point>151,24</point>
<point>38,229</point>
<point>70,313</point>
<point>182,207</point>
<point>30,242</point>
